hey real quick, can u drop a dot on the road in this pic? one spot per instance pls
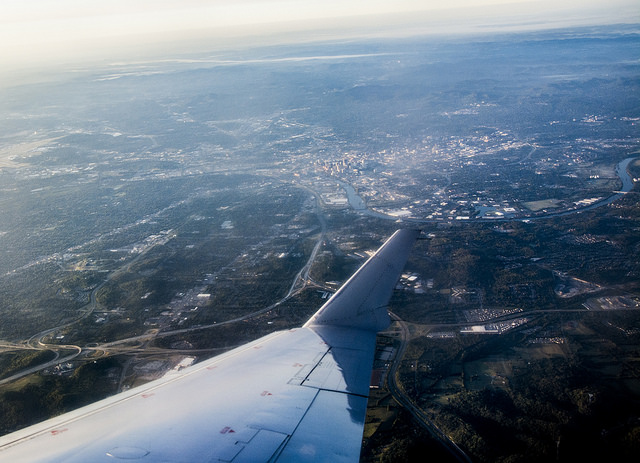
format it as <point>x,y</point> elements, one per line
<point>408,404</point>
<point>43,366</point>
<point>302,277</point>
<point>36,342</point>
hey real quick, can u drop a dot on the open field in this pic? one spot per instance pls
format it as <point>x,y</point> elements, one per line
<point>11,156</point>
<point>536,206</point>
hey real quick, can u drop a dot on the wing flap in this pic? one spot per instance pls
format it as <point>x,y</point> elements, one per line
<point>262,447</point>
<point>330,372</point>
<point>331,430</point>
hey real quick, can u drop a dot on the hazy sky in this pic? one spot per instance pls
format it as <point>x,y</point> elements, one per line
<point>35,32</point>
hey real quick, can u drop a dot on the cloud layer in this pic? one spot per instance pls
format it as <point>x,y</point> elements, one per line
<point>40,33</point>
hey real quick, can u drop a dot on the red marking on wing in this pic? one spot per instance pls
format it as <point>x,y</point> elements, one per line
<point>257,347</point>
<point>55,432</point>
<point>265,393</point>
<point>298,365</point>
<point>146,396</point>
<point>212,367</point>
<point>226,430</point>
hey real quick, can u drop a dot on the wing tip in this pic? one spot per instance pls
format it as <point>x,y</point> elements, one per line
<point>361,302</point>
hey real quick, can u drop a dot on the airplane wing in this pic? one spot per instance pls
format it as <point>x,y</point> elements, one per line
<point>292,396</point>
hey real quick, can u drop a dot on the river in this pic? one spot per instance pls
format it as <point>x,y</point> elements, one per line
<point>358,204</point>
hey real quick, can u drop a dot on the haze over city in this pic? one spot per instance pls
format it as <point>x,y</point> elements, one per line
<point>180,178</point>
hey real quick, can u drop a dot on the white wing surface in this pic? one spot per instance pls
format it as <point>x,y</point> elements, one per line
<point>292,396</point>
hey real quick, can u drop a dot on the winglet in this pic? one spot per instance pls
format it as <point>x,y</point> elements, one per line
<point>362,301</point>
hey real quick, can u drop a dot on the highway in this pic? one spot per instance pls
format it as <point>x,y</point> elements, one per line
<point>35,342</point>
<point>407,403</point>
<point>57,360</point>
